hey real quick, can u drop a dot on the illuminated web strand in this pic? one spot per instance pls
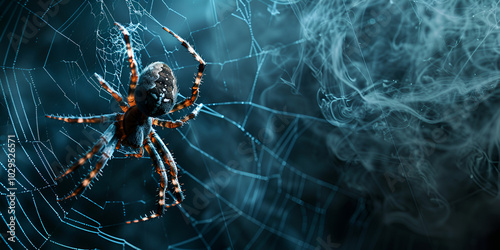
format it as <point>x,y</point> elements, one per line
<point>301,116</point>
<point>256,222</point>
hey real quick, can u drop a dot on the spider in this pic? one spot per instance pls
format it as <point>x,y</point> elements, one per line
<point>151,94</point>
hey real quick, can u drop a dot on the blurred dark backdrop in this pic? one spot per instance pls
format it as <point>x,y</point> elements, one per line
<point>327,124</point>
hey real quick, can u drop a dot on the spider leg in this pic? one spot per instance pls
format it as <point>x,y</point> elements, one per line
<point>85,119</point>
<point>194,90</point>
<point>133,65</point>
<point>107,152</point>
<point>177,123</point>
<point>167,157</point>
<point>105,138</point>
<point>115,94</point>
<point>160,169</point>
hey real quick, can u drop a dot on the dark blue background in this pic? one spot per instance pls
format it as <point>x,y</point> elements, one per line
<point>327,124</point>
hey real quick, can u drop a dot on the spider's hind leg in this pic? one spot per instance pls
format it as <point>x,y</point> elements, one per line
<point>167,157</point>
<point>105,138</point>
<point>160,169</point>
<point>107,152</point>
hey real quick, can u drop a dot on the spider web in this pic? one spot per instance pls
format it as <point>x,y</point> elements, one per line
<point>252,163</point>
<point>326,124</point>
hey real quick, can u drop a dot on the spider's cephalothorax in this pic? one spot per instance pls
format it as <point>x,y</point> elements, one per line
<point>136,126</point>
<point>151,94</point>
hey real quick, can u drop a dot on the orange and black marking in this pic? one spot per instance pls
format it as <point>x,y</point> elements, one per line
<point>118,97</point>
<point>177,123</point>
<point>194,90</point>
<point>133,65</point>
<point>160,169</point>
<point>87,156</point>
<point>106,154</point>
<point>84,119</point>
<point>169,159</point>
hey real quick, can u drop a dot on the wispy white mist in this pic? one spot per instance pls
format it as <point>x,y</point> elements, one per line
<point>410,88</point>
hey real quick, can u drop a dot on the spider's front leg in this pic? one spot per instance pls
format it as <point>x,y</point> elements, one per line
<point>133,65</point>
<point>194,90</point>
<point>177,123</point>
<point>118,97</point>
<point>84,119</point>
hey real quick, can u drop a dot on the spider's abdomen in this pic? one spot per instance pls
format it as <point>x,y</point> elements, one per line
<point>156,91</point>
